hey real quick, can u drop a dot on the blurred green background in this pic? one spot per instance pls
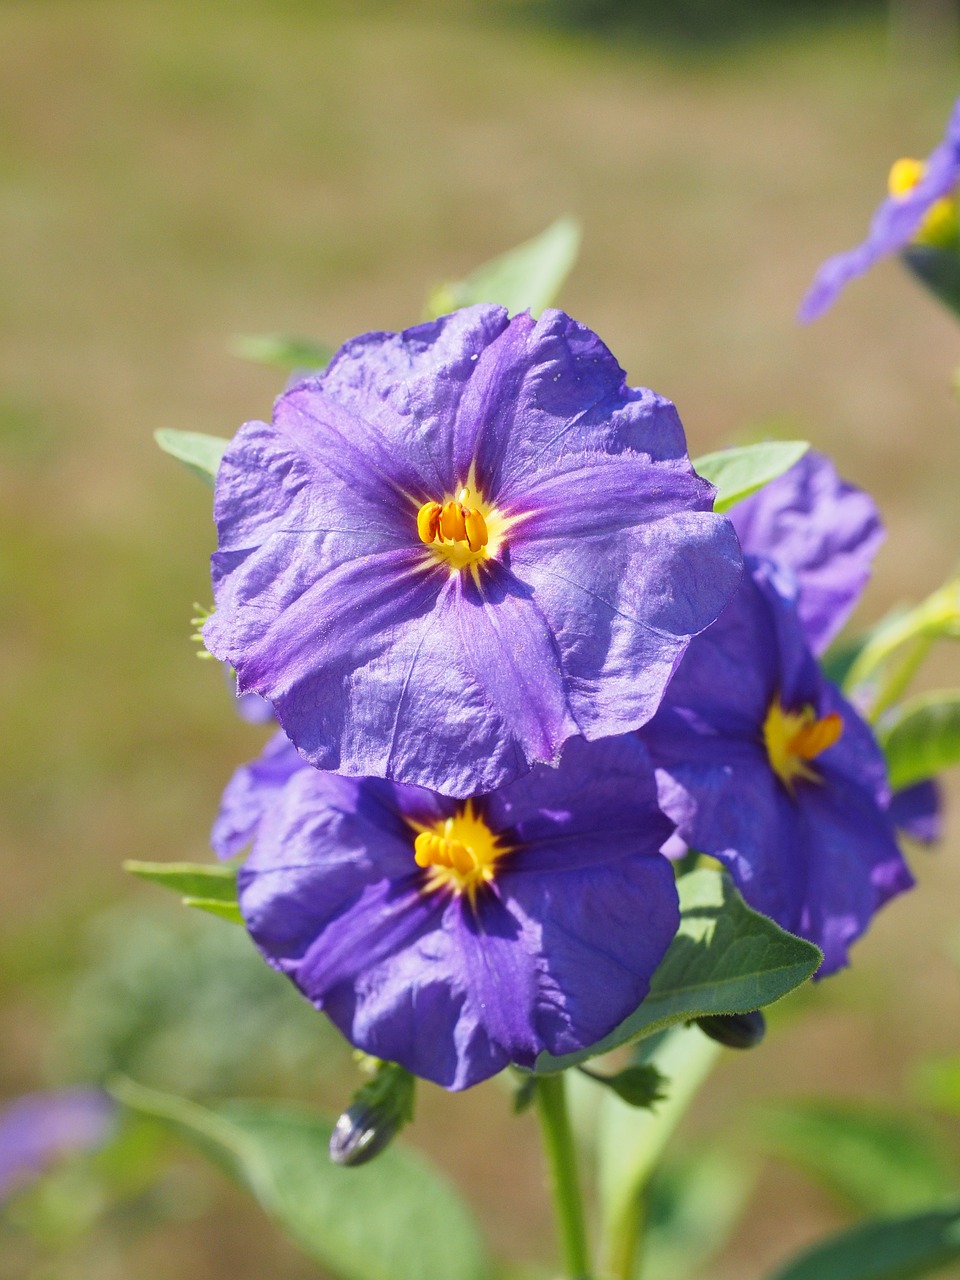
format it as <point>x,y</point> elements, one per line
<point>174,174</point>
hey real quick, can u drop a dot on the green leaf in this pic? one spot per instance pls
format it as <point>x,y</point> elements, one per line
<point>895,1249</point>
<point>692,1207</point>
<point>393,1219</point>
<point>207,886</point>
<point>229,911</point>
<point>937,1084</point>
<point>726,958</point>
<point>875,1159</point>
<point>924,738</point>
<point>283,352</point>
<point>641,1085</point>
<point>528,277</point>
<point>199,453</point>
<point>737,473</point>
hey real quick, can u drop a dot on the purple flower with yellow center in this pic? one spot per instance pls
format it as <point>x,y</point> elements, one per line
<point>823,531</point>
<point>920,209</point>
<point>460,546</point>
<point>457,936</point>
<point>764,765</point>
<point>38,1129</point>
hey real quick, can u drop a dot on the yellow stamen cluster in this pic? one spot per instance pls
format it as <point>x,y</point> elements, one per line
<point>794,737</point>
<point>459,853</point>
<point>939,225</point>
<point>455,521</point>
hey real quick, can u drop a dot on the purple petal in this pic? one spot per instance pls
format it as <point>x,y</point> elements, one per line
<point>825,531</point>
<point>38,1129</point>
<point>917,811</point>
<point>598,805</point>
<point>623,610</point>
<point>250,792</point>
<point>601,931</point>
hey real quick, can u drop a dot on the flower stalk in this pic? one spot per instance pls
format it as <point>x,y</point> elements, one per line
<point>561,1154</point>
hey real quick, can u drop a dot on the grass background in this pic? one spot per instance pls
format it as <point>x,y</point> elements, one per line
<point>173,174</point>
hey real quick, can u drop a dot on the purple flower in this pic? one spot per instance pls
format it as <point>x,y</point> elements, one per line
<point>455,937</point>
<point>763,765</point>
<point>919,208</point>
<point>39,1128</point>
<point>824,531</point>
<point>460,546</point>
<point>917,811</point>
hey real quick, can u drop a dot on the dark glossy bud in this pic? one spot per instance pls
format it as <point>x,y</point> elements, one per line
<point>378,1112</point>
<point>735,1030</point>
<point>361,1133</point>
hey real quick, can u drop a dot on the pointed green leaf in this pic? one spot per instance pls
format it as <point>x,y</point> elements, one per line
<point>876,1159</point>
<point>891,1249</point>
<point>229,911</point>
<point>737,473</point>
<point>526,278</point>
<point>199,881</point>
<point>282,352</point>
<point>924,738</point>
<point>726,958</point>
<point>199,453</point>
<point>392,1219</point>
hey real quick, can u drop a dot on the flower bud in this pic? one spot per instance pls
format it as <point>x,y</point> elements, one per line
<point>377,1113</point>
<point>735,1030</point>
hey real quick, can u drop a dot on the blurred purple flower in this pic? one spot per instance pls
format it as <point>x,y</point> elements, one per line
<point>919,207</point>
<point>460,546</point>
<point>917,811</point>
<point>38,1129</point>
<point>763,765</point>
<point>250,706</point>
<point>456,937</point>
<point>824,531</point>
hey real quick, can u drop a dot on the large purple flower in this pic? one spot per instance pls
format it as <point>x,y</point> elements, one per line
<point>38,1129</point>
<point>920,208</point>
<point>765,766</point>
<point>460,546</point>
<point>822,530</point>
<point>455,937</point>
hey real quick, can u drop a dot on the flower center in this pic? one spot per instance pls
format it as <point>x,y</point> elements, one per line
<point>461,531</point>
<point>939,226</point>
<point>794,737</point>
<point>458,853</point>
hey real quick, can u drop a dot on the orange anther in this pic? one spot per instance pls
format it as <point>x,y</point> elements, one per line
<point>475,529</point>
<point>428,521</point>
<point>451,523</point>
<point>813,738</point>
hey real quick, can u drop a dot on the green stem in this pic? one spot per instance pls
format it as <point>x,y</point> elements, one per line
<point>631,1141</point>
<point>561,1154</point>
